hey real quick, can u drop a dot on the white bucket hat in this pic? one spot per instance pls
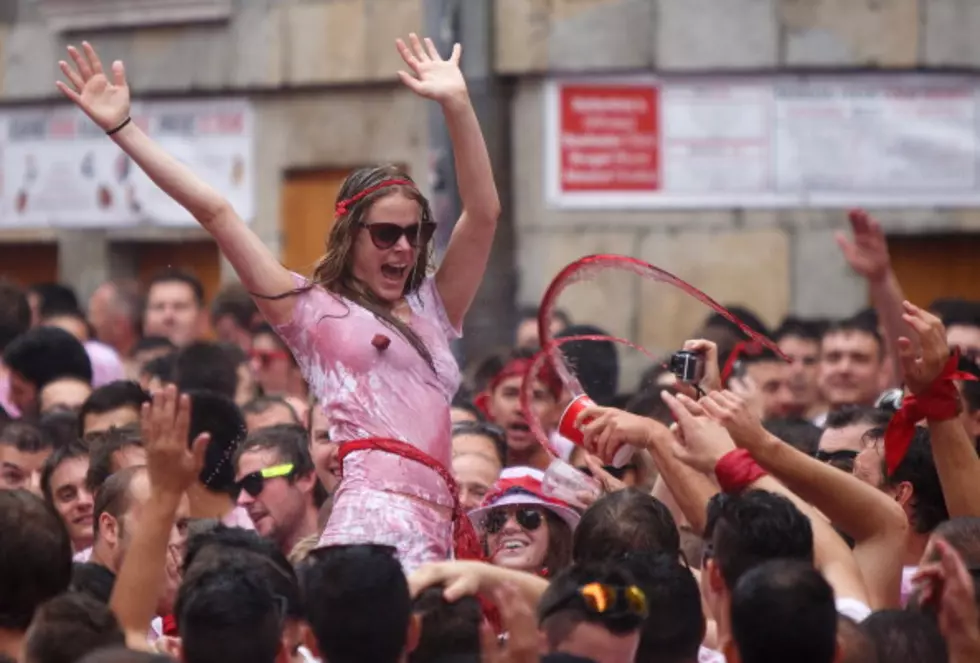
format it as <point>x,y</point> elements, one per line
<point>521,486</point>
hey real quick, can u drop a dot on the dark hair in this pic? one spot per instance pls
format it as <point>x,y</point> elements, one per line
<point>36,553</point>
<point>93,579</point>
<point>55,298</point>
<point>334,270</point>
<point>260,404</point>
<point>853,415</point>
<point>783,610</point>
<point>290,442</point>
<point>855,644</point>
<point>15,312</point>
<point>70,626</point>
<point>492,432</point>
<point>43,354</point>
<point>115,495</point>
<point>162,367</point>
<point>228,611</point>
<point>60,426</point>
<point>234,301</point>
<point>750,319</point>
<point>970,389</point>
<point>463,400</point>
<point>103,445</point>
<point>857,325</point>
<point>595,363</point>
<point>796,432</point>
<point>221,541</point>
<point>448,629</point>
<point>743,531</point>
<point>674,627</point>
<point>178,276</point>
<point>957,312</point>
<point>561,609</point>
<point>963,534</point>
<point>906,636</point>
<point>808,330</point>
<point>25,438</point>
<point>124,655</point>
<point>50,319</point>
<point>217,415</point>
<point>112,396</point>
<point>53,462</point>
<point>205,366</point>
<point>626,521</point>
<point>919,469</point>
<point>647,402</point>
<point>362,607</point>
<point>148,343</point>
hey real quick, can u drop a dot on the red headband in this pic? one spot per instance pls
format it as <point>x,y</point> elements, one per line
<point>525,484</point>
<point>742,348</point>
<point>517,368</point>
<point>344,205</point>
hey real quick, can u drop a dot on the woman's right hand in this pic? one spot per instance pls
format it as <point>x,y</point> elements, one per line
<point>105,101</point>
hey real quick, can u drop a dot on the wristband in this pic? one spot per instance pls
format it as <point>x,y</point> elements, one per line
<point>120,127</point>
<point>737,470</point>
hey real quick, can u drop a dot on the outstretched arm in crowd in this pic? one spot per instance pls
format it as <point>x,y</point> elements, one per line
<point>867,254</point>
<point>608,429</point>
<point>875,521</point>
<point>465,261</point>
<point>704,442</point>
<point>465,578</point>
<point>954,452</point>
<point>104,96</point>
<point>172,469</point>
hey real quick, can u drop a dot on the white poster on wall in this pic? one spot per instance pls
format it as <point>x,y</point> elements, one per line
<point>779,141</point>
<point>59,169</point>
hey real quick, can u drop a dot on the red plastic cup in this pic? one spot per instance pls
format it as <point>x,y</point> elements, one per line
<point>568,429</point>
<point>567,426</point>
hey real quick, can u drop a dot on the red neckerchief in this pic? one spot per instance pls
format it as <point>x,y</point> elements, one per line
<point>170,626</point>
<point>940,401</point>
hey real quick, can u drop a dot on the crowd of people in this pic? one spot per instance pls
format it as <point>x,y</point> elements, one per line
<point>300,471</point>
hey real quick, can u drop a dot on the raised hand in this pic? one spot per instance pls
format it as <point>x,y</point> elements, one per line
<point>701,442</point>
<point>520,624</point>
<point>867,254</point>
<point>605,430</point>
<point>165,424</point>
<point>737,415</point>
<point>920,369</point>
<point>105,101</point>
<point>431,77</point>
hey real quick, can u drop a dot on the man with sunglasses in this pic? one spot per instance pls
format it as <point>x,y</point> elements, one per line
<point>275,482</point>
<point>593,611</point>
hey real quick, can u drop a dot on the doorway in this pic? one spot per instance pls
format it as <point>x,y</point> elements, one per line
<point>933,266</point>
<point>306,216</point>
<point>28,263</point>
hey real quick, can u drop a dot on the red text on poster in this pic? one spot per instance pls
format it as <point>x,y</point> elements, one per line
<point>609,138</point>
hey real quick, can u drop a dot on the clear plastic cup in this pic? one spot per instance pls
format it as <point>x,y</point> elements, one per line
<point>563,482</point>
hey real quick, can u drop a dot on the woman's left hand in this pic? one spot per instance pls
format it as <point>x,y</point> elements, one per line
<point>434,78</point>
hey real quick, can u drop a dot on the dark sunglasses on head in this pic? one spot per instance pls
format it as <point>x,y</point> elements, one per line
<point>607,600</point>
<point>254,482</point>
<point>528,518</point>
<point>386,235</point>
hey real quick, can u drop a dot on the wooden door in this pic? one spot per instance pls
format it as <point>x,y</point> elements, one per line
<point>306,216</point>
<point>934,266</point>
<point>29,263</point>
<point>200,258</point>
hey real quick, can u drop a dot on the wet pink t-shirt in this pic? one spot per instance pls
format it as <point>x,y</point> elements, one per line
<point>369,392</point>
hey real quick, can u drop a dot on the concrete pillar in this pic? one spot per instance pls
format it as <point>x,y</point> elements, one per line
<point>83,260</point>
<point>490,321</point>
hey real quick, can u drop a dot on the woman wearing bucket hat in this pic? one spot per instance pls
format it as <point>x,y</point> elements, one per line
<point>523,529</point>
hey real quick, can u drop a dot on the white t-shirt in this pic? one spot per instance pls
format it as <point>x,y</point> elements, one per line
<point>83,555</point>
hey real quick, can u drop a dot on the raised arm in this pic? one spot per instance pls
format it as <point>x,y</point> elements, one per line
<point>465,262</point>
<point>107,102</point>
<point>867,254</point>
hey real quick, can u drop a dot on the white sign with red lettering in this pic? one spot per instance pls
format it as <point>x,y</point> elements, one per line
<point>59,169</point>
<point>780,141</point>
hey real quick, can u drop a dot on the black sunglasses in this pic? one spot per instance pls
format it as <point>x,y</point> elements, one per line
<point>254,483</point>
<point>386,235</point>
<point>529,519</point>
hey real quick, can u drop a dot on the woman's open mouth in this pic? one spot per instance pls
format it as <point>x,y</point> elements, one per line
<point>394,272</point>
